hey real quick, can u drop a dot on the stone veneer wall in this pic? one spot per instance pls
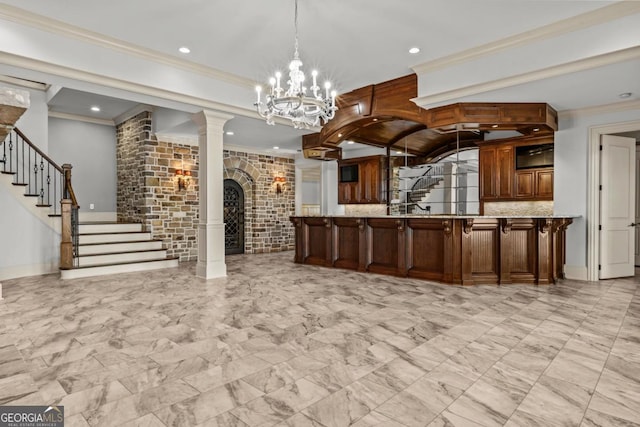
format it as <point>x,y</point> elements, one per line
<point>148,186</point>
<point>130,136</point>
<point>148,191</point>
<point>267,225</point>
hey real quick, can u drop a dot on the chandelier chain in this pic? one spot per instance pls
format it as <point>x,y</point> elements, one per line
<point>295,21</point>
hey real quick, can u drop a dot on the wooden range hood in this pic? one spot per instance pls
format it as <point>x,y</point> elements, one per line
<point>383,115</point>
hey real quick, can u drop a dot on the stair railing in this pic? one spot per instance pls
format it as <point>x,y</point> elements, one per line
<point>432,175</point>
<point>430,178</point>
<point>46,181</point>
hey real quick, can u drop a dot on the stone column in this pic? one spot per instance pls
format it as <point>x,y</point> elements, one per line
<point>211,226</point>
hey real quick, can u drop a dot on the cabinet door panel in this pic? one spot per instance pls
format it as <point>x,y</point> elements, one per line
<point>348,192</point>
<point>488,171</point>
<point>544,184</point>
<point>525,184</point>
<point>505,172</point>
<point>369,181</point>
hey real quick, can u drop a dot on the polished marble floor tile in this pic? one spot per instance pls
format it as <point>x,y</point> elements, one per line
<point>276,343</point>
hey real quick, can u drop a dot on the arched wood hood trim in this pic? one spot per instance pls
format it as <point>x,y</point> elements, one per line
<point>384,115</point>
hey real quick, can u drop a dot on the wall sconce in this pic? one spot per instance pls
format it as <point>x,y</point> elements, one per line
<point>279,180</point>
<point>184,178</point>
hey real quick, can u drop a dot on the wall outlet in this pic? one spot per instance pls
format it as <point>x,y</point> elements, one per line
<point>92,206</point>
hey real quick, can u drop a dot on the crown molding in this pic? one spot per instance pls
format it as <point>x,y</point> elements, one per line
<point>24,83</point>
<point>114,83</point>
<point>24,17</point>
<point>430,101</point>
<point>132,112</point>
<point>177,139</point>
<point>589,19</point>
<point>266,152</point>
<point>600,109</point>
<point>81,118</point>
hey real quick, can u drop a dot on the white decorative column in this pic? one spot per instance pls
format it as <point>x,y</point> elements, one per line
<point>329,189</point>
<point>210,177</point>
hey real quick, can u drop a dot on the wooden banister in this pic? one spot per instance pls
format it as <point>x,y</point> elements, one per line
<point>69,232</point>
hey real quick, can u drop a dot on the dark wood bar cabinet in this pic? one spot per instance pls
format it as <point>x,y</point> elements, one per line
<point>449,249</point>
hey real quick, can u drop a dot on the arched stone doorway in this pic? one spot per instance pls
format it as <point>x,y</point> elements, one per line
<point>233,218</point>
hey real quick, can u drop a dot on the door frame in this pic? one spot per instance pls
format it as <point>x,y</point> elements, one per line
<point>235,184</point>
<point>593,190</point>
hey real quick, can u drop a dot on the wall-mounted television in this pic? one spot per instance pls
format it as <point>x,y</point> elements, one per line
<point>534,156</point>
<point>349,173</point>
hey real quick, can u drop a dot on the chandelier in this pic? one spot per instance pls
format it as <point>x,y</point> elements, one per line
<point>294,104</point>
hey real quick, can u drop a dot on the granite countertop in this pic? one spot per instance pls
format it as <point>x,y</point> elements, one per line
<point>444,216</point>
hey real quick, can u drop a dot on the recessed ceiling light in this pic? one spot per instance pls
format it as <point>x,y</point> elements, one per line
<point>349,142</point>
<point>230,133</point>
<point>625,95</point>
<point>95,108</point>
<point>184,49</point>
<point>414,50</point>
<point>398,152</point>
<point>494,126</point>
<point>339,135</point>
<point>536,129</point>
<point>276,148</point>
<point>375,120</point>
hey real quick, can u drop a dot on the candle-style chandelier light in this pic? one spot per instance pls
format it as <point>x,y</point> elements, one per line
<point>294,104</point>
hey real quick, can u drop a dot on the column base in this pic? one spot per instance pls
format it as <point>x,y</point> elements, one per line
<point>211,262</point>
<point>211,269</point>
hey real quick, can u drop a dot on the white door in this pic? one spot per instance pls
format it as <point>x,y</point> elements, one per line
<point>617,206</point>
<point>637,221</point>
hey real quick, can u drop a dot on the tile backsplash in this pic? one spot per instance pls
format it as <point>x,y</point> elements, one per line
<point>365,210</point>
<point>538,208</point>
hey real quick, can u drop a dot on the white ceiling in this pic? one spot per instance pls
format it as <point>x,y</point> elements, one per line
<point>77,102</point>
<point>354,43</point>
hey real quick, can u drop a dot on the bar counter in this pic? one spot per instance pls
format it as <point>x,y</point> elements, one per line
<point>462,250</point>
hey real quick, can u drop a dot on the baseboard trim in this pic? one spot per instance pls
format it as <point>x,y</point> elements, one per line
<point>98,216</point>
<point>576,272</point>
<point>18,271</point>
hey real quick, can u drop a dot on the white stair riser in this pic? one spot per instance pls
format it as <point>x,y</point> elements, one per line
<point>119,247</point>
<point>125,257</point>
<point>109,228</point>
<point>115,269</point>
<point>105,238</point>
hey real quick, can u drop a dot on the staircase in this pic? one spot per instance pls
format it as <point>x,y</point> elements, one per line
<point>87,249</point>
<point>109,248</point>
<point>431,179</point>
<point>422,200</point>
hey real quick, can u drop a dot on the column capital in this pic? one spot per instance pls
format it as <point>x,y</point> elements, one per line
<point>208,118</point>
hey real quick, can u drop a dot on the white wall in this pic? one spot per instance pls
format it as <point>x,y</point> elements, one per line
<point>310,192</point>
<point>363,152</point>
<point>571,180</point>
<point>34,121</point>
<point>30,244</point>
<point>91,150</point>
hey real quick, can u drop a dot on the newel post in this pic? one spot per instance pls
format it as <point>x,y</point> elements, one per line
<point>66,242</point>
